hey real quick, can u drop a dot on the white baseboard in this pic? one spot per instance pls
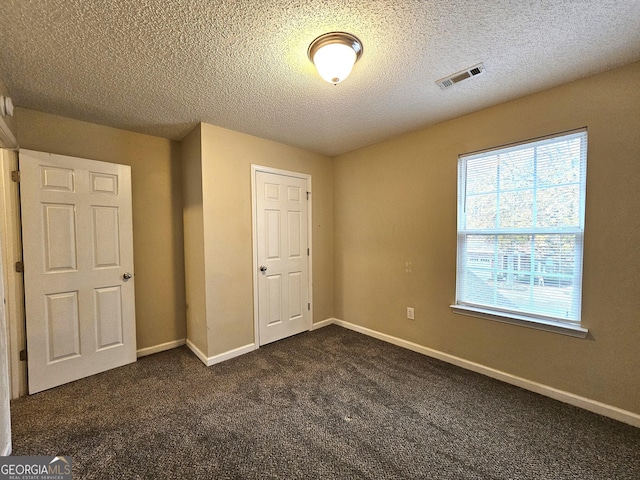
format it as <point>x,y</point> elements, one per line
<point>197,352</point>
<point>322,323</point>
<point>143,352</point>
<point>566,397</point>
<point>208,361</point>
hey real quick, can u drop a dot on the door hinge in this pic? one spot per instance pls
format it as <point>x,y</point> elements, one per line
<point>309,306</point>
<point>307,252</point>
<point>23,355</point>
<point>308,194</point>
<point>15,176</point>
<point>19,267</point>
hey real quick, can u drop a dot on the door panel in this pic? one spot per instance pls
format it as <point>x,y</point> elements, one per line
<point>63,325</point>
<point>274,299</point>
<point>59,237</point>
<point>108,316</point>
<point>106,237</point>
<point>78,244</point>
<point>282,243</point>
<point>272,234</point>
<point>295,295</point>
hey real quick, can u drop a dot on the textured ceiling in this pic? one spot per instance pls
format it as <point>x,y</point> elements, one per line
<point>162,66</point>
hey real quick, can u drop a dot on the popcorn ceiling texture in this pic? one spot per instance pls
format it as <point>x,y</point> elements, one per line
<point>160,67</point>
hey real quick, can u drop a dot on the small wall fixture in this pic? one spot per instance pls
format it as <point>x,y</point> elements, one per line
<point>334,55</point>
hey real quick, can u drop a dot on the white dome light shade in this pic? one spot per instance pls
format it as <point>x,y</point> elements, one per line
<point>334,62</point>
<point>334,55</point>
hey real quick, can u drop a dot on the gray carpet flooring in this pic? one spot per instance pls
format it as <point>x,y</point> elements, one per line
<point>321,405</point>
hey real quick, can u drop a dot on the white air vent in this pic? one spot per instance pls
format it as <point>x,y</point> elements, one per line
<point>451,80</point>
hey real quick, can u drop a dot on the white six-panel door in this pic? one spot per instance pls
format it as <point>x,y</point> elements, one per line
<point>78,257</point>
<point>281,236</point>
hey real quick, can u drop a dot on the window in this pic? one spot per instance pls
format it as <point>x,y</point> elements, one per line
<point>520,232</point>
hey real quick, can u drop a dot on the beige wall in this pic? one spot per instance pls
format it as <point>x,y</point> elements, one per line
<point>226,175</point>
<point>395,202</point>
<point>157,210</point>
<point>194,239</point>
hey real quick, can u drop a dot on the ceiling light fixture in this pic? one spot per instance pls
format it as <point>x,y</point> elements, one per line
<point>334,55</point>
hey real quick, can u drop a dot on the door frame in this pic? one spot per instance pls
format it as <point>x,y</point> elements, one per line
<point>254,204</point>
<point>14,288</point>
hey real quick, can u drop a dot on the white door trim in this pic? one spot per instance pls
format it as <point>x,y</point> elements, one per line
<point>14,288</point>
<point>254,200</point>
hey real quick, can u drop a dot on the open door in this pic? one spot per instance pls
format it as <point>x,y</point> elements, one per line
<point>78,267</point>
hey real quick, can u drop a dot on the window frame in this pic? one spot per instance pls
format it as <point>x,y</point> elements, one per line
<point>532,320</point>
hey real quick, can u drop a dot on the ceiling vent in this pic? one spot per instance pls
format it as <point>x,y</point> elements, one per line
<point>451,80</point>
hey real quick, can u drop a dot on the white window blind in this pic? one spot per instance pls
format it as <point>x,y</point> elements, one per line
<point>520,229</point>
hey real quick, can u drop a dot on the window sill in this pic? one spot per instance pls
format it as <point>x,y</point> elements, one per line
<point>514,319</point>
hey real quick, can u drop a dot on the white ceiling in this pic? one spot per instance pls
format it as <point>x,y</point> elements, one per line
<point>161,66</point>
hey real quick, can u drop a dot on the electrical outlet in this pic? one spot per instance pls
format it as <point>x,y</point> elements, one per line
<point>410,313</point>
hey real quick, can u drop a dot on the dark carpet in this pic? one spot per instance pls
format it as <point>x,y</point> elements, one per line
<point>325,404</point>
